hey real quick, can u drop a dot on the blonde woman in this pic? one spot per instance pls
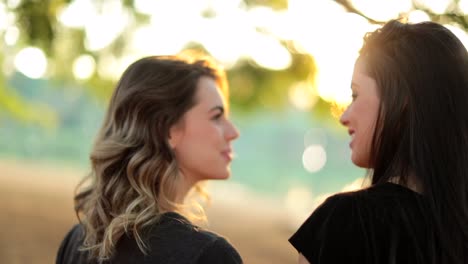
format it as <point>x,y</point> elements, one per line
<point>166,129</point>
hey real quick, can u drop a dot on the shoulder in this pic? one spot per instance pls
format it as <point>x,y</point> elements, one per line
<point>351,222</point>
<point>213,247</point>
<point>177,237</point>
<point>219,251</point>
<point>175,225</point>
<point>325,231</point>
<point>375,203</point>
<point>380,197</point>
<point>68,251</point>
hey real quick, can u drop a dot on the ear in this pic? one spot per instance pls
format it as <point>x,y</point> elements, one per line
<point>175,135</point>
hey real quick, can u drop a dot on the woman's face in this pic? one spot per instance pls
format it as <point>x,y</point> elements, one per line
<point>361,115</point>
<point>202,139</point>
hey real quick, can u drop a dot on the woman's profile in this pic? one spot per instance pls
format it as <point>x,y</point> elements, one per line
<point>408,123</point>
<point>166,130</point>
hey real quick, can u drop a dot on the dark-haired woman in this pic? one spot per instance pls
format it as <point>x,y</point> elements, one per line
<point>408,123</point>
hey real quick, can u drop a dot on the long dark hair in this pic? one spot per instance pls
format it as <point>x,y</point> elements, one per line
<point>422,127</point>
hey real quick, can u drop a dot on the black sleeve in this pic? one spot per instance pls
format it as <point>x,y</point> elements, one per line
<point>333,233</point>
<point>61,254</point>
<point>220,251</point>
<point>68,251</point>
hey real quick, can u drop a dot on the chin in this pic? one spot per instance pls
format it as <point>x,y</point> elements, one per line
<point>359,162</point>
<point>224,175</point>
<point>364,165</point>
<point>221,175</point>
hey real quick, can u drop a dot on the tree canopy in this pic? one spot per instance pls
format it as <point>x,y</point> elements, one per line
<point>65,31</point>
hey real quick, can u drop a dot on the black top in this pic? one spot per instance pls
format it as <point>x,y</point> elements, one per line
<point>173,240</point>
<point>386,223</point>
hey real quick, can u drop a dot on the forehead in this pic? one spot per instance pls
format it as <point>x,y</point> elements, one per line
<point>360,74</point>
<point>208,92</point>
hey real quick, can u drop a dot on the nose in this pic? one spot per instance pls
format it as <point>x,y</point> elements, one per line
<point>231,132</point>
<point>344,120</point>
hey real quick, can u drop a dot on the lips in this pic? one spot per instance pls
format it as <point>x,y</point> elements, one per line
<point>227,154</point>
<point>351,132</point>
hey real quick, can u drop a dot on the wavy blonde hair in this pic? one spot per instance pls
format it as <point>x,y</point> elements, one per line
<point>134,175</point>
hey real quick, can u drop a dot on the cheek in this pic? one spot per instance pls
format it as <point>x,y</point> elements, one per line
<point>205,134</point>
<point>201,138</point>
<point>364,146</point>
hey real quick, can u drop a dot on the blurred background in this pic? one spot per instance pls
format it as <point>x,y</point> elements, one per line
<point>289,65</point>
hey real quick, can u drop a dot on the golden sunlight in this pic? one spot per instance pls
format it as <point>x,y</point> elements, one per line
<point>227,48</point>
<point>336,56</point>
<point>269,53</point>
<point>302,96</point>
<point>334,46</point>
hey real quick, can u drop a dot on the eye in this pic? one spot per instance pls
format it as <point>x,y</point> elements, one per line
<point>353,96</point>
<point>217,116</point>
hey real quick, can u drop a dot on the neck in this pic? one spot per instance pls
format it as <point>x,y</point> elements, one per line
<point>185,185</point>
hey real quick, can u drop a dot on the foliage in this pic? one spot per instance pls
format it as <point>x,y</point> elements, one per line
<point>252,86</point>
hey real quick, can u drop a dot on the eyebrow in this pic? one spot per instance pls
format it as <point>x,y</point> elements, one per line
<point>218,107</point>
<point>353,84</point>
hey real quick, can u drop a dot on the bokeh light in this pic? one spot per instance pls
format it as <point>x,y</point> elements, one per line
<point>302,96</point>
<point>73,14</point>
<point>11,35</point>
<point>84,67</point>
<point>32,62</point>
<point>314,158</point>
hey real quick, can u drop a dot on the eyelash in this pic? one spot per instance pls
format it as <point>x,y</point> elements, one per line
<point>217,116</point>
<point>353,95</point>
